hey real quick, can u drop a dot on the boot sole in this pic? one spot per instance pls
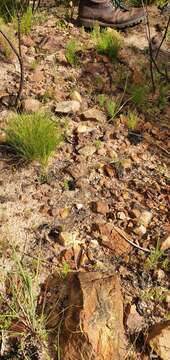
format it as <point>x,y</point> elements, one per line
<point>88,23</point>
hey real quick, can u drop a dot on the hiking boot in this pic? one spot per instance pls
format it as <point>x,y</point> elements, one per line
<point>104,13</point>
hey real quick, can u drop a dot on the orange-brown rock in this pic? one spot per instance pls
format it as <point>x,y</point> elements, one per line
<point>93,324</point>
<point>113,240</point>
<point>159,339</point>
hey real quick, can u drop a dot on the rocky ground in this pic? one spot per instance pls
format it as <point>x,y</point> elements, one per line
<point>100,215</point>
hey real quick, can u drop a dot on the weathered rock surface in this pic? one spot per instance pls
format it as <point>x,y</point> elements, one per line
<point>111,239</point>
<point>31,105</point>
<point>67,107</point>
<point>94,114</point>
<point>159,340</point>
<point>93,325</point>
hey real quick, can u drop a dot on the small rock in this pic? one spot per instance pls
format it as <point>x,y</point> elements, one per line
<point>67,107</point>
<point>134,320</point>
<point>102,207</point>
<point>140,230</point>
<point>121,215</point>
<point>82,128</point>
<point>113,240</point>
<point>78,171</point>
<point>31,105</point>
<point>159,274</point>
<point>126,163</point>
<point>66,238</point>
<point>94,114</point>
<point>76,96</point>
<point>135,213</point>
<point>112,154</point>
<point>79,206</point>
<point>37,75</point>
<point>166,244</point>
<point>3,136</point>
<point>145,218</point>
<point>87,150</point>
<point>27,41</point>
<point>64,213</point>
<point>159,339</point>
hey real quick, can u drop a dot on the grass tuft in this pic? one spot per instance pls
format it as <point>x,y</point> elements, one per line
<point>33,137</point>
<point>108,42</point>
<point>71,49</point>
<point>132,121</point>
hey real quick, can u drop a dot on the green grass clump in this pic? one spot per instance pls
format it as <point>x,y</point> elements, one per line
<point>138,94</point>
<point>71,50</point>
<point>26,21</point>
<point>132,121</point>
<point>108,42</point>
<point>33,137</point>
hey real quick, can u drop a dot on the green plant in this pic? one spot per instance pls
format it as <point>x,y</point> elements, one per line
<point>6,49</point>
<point>98,144</point>
<point>33,65</point>
<point>26,21</point>
<point>65,270</point>
<point>71,50</point>
<point>138,94</point>
<point>9,8</point>
<point>107,42</point>
<point>132,121</point>
<point>33,137</point>
<point>157,294</point>
<point>20,317</point>
<point>111,108</point>
<point>101,99</point>
<point>157,258</point>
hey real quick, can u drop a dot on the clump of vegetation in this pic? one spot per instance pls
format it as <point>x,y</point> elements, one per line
<point>7,9</point>
<point>25,22</point>
<point>108,42</point>
<point>34,137</point>
<point>102,99</point>
<point>71,52</point>
<point>157,258</point>
<point>111,108</point>
<point>4,46</point>
<point>20,317</point>
<point>138,94</point>
<point>132,121</point>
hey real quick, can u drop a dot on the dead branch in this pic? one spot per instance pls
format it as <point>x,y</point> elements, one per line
<point>120,232</point>
<point>163,38</point>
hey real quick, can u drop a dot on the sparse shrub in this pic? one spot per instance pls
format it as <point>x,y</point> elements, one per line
<point>108,42</point>
<point>4,46</point>
<point>71,50</point>
<point>132,121</point>
<point>101,99</point>
<point>8,8</point>
<point>157,258</point>
<point>33,137</point>
<point>138,93</point>
<point>20,317</point>
<point>26,21</point>
<point>111,108</point>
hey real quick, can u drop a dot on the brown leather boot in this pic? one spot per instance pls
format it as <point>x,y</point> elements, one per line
<point>104,13</point>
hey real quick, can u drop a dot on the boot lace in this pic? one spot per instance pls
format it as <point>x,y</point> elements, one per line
<point>120,4</point>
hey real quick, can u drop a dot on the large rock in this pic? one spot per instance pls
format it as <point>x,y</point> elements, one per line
<point>93,324</point>
<point>159,339</point>
<point>67,107</point>
<point>31,105</point>
<point>94,115</point>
